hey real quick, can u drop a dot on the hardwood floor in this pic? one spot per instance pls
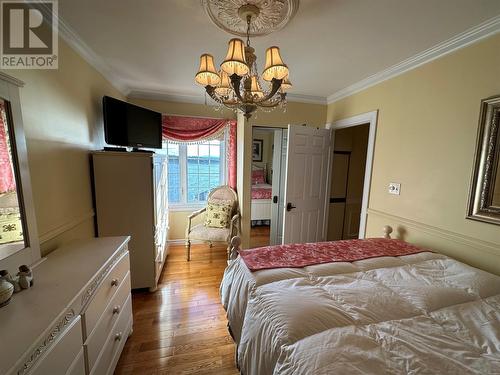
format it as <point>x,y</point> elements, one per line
<point>181,328</point>
<point>259,236</point>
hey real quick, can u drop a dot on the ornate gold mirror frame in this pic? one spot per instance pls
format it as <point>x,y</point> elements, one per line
<point>484,195</point>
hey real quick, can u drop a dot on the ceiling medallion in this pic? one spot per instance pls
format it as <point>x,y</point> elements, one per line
<point>273,15</point>
<point>237,85</point>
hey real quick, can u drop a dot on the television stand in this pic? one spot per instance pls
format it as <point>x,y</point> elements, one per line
<point>119,149</point>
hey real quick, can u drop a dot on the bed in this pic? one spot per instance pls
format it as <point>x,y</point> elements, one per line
<point>419,313</point>
<point>261,193</point>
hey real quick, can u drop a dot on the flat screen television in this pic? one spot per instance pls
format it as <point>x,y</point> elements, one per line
<point>129,125</point>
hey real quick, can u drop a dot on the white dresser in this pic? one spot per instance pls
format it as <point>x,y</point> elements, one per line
<point>76,318</point>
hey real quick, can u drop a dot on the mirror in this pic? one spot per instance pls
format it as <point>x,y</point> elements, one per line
<point>484,197</point>
<point>11,224</point>
<point>19,242</point>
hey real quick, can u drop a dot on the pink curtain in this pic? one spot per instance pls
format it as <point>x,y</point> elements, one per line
<point>231,155</point>
<point>7,181</point>
<point>192,129</point>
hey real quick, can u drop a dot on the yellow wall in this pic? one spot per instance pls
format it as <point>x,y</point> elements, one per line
<point>296,114</point>
<point>62,121</point>
<point>426,136</point>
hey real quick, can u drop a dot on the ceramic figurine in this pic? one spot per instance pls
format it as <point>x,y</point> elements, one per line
<point>25,277</point>
<point>6,289</point>
<point>14,282</point>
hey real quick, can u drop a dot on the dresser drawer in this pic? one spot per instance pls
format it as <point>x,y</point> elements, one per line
<point>96,340</point>
<point>114,343</point>
<point>78,365</point>
<point>104,293</point>
<point>63,352</point>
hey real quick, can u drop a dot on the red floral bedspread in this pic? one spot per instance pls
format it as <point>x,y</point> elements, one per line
<point>261,191</point>
<point>301,255</point>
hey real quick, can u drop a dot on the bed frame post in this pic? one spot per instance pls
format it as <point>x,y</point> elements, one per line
<point>387,231</point>
<point>235,247</point>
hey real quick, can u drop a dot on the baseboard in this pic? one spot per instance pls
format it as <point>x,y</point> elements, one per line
<point>182,241</point>
<point>486,246</point>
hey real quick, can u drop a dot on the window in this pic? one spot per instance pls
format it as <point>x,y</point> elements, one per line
<point>194,170</point>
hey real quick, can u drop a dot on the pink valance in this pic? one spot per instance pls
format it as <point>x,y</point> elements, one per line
<point>196,129</point>
<point>189,129</point>
<point>7,181</point>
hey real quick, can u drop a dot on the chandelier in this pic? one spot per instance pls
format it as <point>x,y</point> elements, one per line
<point>237,85</point>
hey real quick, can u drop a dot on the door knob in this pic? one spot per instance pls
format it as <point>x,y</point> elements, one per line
<point>289,206</point>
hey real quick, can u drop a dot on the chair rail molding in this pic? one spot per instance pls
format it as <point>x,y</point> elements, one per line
<point>70,224</point>
<point>485,246</point>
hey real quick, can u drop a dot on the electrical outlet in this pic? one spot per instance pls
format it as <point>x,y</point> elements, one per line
<point>394,188</point>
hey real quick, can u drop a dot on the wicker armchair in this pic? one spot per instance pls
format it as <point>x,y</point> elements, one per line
<point>210,235</point>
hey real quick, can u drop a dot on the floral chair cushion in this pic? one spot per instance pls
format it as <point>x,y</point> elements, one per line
<point>218,215</point>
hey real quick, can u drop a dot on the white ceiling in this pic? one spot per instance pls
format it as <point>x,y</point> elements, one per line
<point>154,45</point>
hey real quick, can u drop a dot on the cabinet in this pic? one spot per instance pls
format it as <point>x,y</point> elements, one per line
<point>130,199</point>
<point>77,316</point>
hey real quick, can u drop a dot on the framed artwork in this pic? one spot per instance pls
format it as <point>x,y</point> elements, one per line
<point>484,193</point>
<point>257,149</point>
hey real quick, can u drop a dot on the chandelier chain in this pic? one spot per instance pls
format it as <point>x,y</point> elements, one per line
<point>249,19</point>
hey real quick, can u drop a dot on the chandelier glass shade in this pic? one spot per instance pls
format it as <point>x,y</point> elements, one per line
<point>237,85</point>
<point>207,75</point>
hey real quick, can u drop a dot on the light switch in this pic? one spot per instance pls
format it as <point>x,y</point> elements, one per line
<point>394,188</point>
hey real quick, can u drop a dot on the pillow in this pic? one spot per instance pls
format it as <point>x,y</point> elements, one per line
<point>258,177</point>
<point>218,215</point>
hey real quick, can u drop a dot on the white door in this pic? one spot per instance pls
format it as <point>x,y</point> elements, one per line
<point>306,185</point>
<point>277,202</point>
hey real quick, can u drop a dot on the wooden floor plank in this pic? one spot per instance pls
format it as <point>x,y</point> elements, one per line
<point>182,328</point>
<point>259,236</point>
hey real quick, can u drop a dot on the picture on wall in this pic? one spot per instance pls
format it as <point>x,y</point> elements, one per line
<point>257,149</point>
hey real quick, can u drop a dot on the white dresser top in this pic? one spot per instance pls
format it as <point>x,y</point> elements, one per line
<point>58,281</point>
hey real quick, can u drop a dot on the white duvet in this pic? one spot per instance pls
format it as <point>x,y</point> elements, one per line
<point>416,314</point>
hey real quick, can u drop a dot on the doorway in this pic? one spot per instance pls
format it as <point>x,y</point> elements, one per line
<point>369,118</point>
<point>347,182</point>
<point>268,158</point>
<point>297,171</point>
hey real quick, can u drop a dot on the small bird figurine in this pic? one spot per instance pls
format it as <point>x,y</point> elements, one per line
<point>25,276</point>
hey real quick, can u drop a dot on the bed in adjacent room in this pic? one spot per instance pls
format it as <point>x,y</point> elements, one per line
<point>381,306</point>
<point>261,192</point>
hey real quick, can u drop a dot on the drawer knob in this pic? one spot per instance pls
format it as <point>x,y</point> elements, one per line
<point>116,310</point>
<point>118,336</point>
<point>114,282</point>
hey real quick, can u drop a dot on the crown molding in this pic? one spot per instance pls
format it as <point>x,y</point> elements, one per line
<point>77,44</point>
<point>481,31</point>
<point>199,98</point>
<point>167,96</point>
<point>311,99</point>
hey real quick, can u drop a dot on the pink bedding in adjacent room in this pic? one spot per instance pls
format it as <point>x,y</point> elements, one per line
<point>261,191</point>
